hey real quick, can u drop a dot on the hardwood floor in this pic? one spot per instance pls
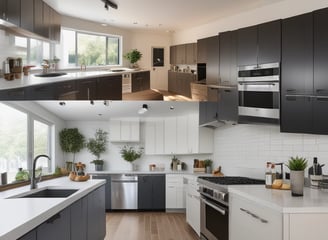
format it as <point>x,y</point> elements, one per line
<point>148,226</point>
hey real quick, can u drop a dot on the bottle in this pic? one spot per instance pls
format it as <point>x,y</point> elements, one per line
<point>273,172</point>
<point>268,176</point>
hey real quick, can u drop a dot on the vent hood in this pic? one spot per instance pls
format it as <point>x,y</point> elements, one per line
<point>213,124</point>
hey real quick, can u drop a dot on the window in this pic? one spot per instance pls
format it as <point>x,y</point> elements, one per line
<point>22,133</point>
<point>78,48</point>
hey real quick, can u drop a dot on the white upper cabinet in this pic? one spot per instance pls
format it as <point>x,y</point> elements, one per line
<point>124,130</point>
<point>177,135</point>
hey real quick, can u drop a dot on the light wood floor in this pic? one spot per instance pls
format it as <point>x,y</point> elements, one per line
<point>148,226</point>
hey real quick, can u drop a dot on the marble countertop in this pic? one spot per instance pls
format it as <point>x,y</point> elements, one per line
<point>313,201</point>
<point>147,172</point>
<point>21,215</point>
<point>32,80</point>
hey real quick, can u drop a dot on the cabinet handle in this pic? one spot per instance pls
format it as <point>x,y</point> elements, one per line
<point>53,218</point>
<point>290,90</point>
<point>322,98</point>
<point>88,90</point>
<point>227,90</point>
<point>321,90</point>
<point>254,215</point>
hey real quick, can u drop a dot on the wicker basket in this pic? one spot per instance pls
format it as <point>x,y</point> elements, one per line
<point>77,178</point>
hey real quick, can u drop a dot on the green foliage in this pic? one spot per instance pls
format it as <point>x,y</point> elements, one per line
<point>208,162</point>
<point>130,154</point>
<point>98,144</point>
<point>71,140</point>
<point>297,163</point>
<point>133,56</point>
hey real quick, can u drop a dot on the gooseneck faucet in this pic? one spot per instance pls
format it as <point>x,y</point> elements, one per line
<point>33,179</point>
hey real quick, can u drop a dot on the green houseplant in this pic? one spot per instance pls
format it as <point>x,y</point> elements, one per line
<point>71,141</point>
<point>130,154</point>
<point>133,57</point>
<point>97,146</point>
<point>208,165</point>
<point>297,166</point>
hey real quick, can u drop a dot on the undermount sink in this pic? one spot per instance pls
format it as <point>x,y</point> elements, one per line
<point>48,193</point>
<point>54,74</point>
<point>117,70</point>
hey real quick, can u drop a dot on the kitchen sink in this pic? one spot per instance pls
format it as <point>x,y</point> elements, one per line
<point>117,70</point>
<point>48,193</point>
<point>54,74</point>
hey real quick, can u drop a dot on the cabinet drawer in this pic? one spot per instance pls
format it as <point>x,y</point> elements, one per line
<point>174,180</point>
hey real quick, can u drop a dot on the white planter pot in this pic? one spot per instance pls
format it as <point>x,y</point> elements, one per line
<point>297,183</point>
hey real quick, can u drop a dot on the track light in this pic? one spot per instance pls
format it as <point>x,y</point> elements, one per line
<point>109,3</point>
<point>144,109</point>
<point>106,6</point>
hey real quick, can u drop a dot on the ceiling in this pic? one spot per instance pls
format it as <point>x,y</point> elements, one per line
<point>165,15</point>
<point>85,111</point>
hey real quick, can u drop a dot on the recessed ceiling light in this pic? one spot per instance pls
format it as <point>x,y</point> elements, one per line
<point>62,103</point>
<point>171,108</point>
<point>104,24</point>
<point>144,109</point>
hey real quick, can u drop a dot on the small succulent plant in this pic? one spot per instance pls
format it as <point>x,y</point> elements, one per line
<point>297,163</point>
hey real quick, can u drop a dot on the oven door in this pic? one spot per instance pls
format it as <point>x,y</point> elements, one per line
<point>259,99</point>
<point>214,220</point>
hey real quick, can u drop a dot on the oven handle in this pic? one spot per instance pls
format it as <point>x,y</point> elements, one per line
<point>220,210</point>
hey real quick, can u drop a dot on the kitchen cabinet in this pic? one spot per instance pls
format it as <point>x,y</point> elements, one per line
<point>107,189</point>
<point>66,90</point>
<point>13,94</point>
<point>29,236</point>
<point>228,97</point>
<point>56,227</point>
<point>193,203</point>
<point>124,130</point>
<point>297,74</point>
<point>38,17</point>
<point>251,220</point>
<point>46,21</point>
<point>79,219</point>
<point>27,15</point>
<point>154,136</point>
<point>174,193</point>
<point>140,81</point>
<point>208,112</point>
<point>151,192</point>
<point>259,44</point>
<point>96,229</point>
<point>191,53</point>
<point>170,135</point>
<point>41,92</point>
<point>87,89</point>
<point>179,83</point>
<point>173,55</point>
<point>109,88</point>
<point>55,26</point>
<point>183,54</point>
<point>10,11</point>
<point>202,50</point>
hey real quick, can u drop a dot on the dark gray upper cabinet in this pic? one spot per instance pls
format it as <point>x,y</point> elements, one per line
<point>247,46</point>
<point>202,50</point>
<point>212,63</point>
<point>191,53</point>
<point>10,11</point>
<point>27,15</point>
<point>269,42</point>
<point>151,192</point>
<point>208,112</point>
<point>320,100</point>
<point>180,54</point>
<point>259,44</point>
<point>173,55</point>
<point>228,58</point>
<point>38,17</point>
<point>297,74</point>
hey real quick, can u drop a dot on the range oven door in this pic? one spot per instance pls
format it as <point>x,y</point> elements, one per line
<point>214,220</point>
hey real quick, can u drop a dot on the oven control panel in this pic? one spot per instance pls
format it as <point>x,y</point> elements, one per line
<point>214,194</point>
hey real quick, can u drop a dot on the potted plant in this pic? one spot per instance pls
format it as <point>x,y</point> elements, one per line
<point>130,154</point>
<point>297,166</point>
<point>133,57</point>
<point>71,141</point>
<point>208,165</point>
<point>97,146</point>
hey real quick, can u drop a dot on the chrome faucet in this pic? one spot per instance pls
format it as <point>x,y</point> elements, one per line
<point>45,65</point>
<point>33,179</point>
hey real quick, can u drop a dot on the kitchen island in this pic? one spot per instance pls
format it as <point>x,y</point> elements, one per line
<point>22,216</point>
<point>260,213</point>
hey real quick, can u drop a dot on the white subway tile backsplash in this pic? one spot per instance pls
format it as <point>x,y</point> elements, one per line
<point>241,147</point>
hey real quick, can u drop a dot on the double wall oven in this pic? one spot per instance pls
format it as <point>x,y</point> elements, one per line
<point>214,221</point>
<point>258,89</point>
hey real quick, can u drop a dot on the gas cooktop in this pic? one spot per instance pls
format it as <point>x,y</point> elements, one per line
<point>230,180</point>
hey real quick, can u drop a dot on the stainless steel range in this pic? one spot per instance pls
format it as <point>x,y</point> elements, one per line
<point>215,205</point>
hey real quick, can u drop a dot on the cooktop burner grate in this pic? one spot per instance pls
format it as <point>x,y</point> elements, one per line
<point>233,180</point>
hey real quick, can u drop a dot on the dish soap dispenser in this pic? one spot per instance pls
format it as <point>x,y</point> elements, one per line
<point>315,173</point>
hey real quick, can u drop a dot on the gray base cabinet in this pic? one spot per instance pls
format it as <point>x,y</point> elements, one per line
<point>79,219</point>
<point>140,81</point>
<point>180,83</point>
<point>107,189</point>
<point>151,192</point>
<point>29,236</point>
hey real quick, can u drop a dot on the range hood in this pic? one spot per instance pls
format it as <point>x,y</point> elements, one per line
<point>213,124</point>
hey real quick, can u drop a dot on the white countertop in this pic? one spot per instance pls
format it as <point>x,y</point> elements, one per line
<point>30,80</point>
<point>313,201</point>
<point>147,172</point>
<point>21,215</point>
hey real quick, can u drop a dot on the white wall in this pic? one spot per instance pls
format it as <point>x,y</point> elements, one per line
<point>279,10</point>
<point>112,157</point>
<point>244,149</point>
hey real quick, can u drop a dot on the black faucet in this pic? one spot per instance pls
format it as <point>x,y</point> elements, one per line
<point>33,179</point>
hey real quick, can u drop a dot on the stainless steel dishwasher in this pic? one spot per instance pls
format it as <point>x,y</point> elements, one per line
<point>124,191</point>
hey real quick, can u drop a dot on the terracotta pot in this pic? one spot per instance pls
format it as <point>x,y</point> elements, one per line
<point>297,183</point>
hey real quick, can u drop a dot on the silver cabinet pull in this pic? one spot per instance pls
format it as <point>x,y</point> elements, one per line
<point>262,220</point>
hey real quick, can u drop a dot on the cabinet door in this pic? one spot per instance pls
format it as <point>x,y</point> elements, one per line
<point>13,12</point>
<point>173,55</point>
<point>145,80</point>
<point>3,9</point>
<point>297,74</point>
<point>115,130</point>
<point>66,91</point>
<point>150,136</point>
<point>170,197</point>
<point>228,58</point>
<point>182,135</point>
<point>96,214</point>
<point>38,17</point>
<point>41,92</point>
<point>12,94</point>
<point>247,46</point>
<point>79,219</point>
<point>212,66</point>
<point>190,54</point>
<point>171,81</point>
<point>27,15</point>
<point>56,227</point>
<point>29,236</point>
<point>46,21</point>
<point>158,192</point>
<point>269,42</point>
<point>109,88</point>
<point>170,135</point>
<point>87,89</point>
<point>202,50</point>
<point>145,192</point>
<point>134,131</point>
<point>181,54</point>
<point>107,189</point>
<point>320,102</point>
<point>228,105</point>
<point>193,133</point>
